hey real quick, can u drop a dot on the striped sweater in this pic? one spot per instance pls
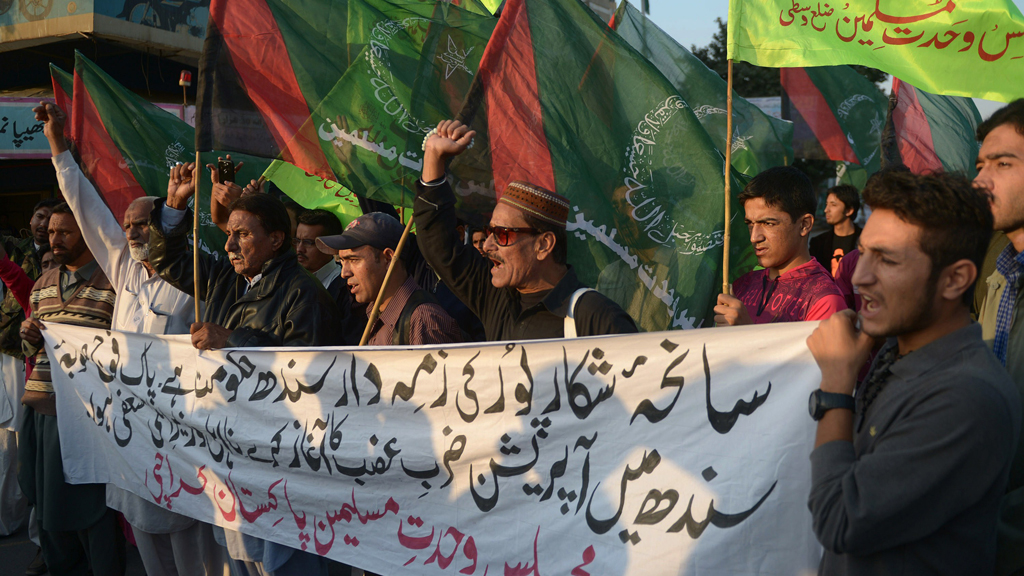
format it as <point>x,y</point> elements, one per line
<point>91,305</point>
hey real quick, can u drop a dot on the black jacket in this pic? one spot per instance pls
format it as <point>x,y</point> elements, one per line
<point>287,307</point>
<point>468,275</point>
<point>353,315</point>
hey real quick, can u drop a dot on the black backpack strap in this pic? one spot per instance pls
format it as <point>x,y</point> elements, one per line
<point>400,337</point>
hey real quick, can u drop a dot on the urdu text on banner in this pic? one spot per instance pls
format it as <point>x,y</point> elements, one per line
<point>659,453</point>
<point>968,48</point>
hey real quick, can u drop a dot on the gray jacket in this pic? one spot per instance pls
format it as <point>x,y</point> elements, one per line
<point>918,490</point>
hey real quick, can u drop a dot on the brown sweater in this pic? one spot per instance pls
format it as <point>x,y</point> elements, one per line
<point>91,305</point>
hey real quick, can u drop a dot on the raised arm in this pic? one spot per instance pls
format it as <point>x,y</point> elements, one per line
<point>170,222</point>
<point>223,194</point>
<point>459,266</point>
<point>101,231</point>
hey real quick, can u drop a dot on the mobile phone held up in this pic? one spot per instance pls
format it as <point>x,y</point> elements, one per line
<point>226,170</point>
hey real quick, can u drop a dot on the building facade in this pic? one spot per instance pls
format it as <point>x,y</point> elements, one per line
<point>143,44</point>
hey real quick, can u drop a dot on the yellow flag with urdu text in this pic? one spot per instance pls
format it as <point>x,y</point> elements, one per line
<point>971,48</point>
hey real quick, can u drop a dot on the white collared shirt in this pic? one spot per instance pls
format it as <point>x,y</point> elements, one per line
<point>144,303</point>
<point>250,283</point>
<point>328,273</point>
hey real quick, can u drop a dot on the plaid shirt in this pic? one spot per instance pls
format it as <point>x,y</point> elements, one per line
<point>430,323</point>
<point>1010,264</point>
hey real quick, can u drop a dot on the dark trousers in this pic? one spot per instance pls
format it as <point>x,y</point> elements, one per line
<point>100,546</point>
<point>76,529</point>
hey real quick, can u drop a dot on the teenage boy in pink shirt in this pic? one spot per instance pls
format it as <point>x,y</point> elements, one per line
<point>779,206</point>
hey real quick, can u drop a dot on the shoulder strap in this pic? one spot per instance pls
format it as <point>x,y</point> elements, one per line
<point>570,316</point>
<point>401,335</point>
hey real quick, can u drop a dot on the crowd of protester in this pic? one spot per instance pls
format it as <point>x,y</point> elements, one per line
<point>917,466</point>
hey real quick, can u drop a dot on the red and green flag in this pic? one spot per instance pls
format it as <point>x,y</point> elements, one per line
<point>344,90</point>
<point>63,87</point>
<point>127,145</point>
<point>844,113</point>
<point>931,133</point>
<point>759,141</point>
<point>566,103</point>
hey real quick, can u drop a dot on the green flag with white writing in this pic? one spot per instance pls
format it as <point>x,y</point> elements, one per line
<point>759,141</point>
<point>415,65</point>
<point>128,145</point>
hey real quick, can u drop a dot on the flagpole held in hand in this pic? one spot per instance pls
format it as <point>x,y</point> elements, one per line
<point>728,192</point>
<point>375,312</point>
<point>195,236</point>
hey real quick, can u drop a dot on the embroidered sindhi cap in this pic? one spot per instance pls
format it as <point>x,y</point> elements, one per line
<point>536,201</point>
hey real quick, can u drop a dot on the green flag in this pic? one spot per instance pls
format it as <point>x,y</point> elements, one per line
<point>492,5</point>
<point>63,87</point>
<point>962,48</point>
<point>759,141</point>
<point>931,133</point>
<point>312,191</point>
<point>415,66</point>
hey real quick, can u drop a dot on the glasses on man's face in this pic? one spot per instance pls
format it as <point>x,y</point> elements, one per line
<point>304,241</point>
<point>504,236</point>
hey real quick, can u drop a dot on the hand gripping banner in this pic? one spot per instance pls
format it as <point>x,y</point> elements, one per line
<point>657,453</point>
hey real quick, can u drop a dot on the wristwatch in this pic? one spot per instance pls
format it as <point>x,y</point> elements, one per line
<point>821,402</point>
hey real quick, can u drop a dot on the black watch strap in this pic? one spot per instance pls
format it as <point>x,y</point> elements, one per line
<point>821,402</point>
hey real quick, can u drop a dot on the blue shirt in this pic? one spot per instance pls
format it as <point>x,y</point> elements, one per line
<point>1010,264</point>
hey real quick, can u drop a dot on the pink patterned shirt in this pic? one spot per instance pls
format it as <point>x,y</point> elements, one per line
<point>806,292</point>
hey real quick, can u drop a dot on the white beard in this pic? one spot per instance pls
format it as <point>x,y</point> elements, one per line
<point>139,253</point>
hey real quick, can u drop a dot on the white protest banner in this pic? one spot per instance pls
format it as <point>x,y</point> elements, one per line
<point>660,453</point>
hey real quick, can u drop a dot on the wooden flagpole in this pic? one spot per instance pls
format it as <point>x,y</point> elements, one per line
<point>375,311</point>
<point>728,191</point>
<point>195,234</point>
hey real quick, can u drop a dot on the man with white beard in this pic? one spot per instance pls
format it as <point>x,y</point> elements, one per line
<point>170,544</point>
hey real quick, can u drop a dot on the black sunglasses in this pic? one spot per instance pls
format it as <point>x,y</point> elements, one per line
<point>504,235</point>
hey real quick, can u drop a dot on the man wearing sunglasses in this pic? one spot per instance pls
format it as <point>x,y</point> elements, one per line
<point>522,288</point>
<point>779,207</point>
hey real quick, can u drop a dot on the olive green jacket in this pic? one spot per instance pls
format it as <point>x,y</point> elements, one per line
<point>1010,548</point>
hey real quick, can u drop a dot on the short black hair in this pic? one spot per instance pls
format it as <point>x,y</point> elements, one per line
<point>46,203</point>
<point>1012,114</point>
<point>783,187</point>
<point>560,252</point>
<point>848,195</point>
<point>62,208</point>
<point>320,217</point>
<point>271,214</point>
<point>956,218</point>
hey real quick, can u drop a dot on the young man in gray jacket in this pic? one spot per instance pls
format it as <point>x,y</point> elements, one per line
<point>908,472</point>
